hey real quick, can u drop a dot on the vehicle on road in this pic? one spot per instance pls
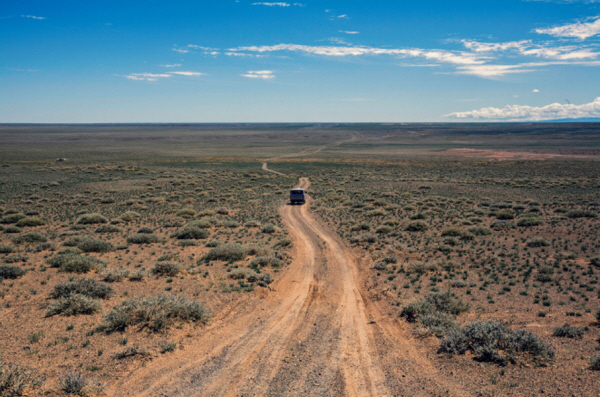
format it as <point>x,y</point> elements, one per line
<point>297,196</point>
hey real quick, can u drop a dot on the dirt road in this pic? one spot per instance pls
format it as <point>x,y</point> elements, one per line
<point>315,334</point>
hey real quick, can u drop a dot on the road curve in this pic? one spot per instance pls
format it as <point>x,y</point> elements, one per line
<point>314,335</point>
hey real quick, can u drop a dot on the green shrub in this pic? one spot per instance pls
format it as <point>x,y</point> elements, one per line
<point>227,252</point>
<point>12,218</point>
<point>108,229</point>
<point>439,323</point>
<point>503,225</point>
<point>479,231</point>
<point>186,212</point>
<point>536,242</point>
<point>566,331</point>
<point>453,232</point>
<point>285,242</point>
<point>417,226</point>
<point>13,230</point>
<point>130,216</point>
<point>201,223</point>
<point>142,238</point>
<point>6,249</point>
<point>31,221</point>
<point>76,383</point>
<point>364,238</point>
<point>10,272</point>
<point>30,237</point>
<point>190,233</point>
<point>115,275</point>
<point>262,261</point>
<point>213,243</point>
<point>580,214</point>
<point>269,228</point>
<point>138,275</point>
<point>491,341</point>
<point>82,286</point>
<point>595,261</point>
<point>155,313</point>
<point>598,315</point>
<point>239,274</point>
<point>595,363</point>
<point>91,245</point>
<point>505,215</point>
<point>530,221</point>
<point>433,303</point>
<point>166,347</point>
<point>73,305</point>
<point>90,219</point>
<point>166,268</point>
<point>262,279</point>
<point>14,258</point>
<point>16,380</point>
<point>146,230</point>
<point>259,250</point>
<point>75,263</point>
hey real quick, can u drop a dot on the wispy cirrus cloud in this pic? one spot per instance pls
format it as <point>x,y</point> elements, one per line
<point>147,76</point>
<point>187,73</point>
<point>181,50</point>
<point>174,65</point>
<point>259,74</point>
<point>338,51</point>
<point>531,113</point>
<point>32,17</point>
<point>528,48</point>
<point>577,30</point>
<point>278,4</point>
<point>156,76</point>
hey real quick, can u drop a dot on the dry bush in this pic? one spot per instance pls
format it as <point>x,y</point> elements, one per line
<point>75,263</point>
<point>16,380</point>
<point>73,305</point>
<point>90,219</point>
<point>227,252</point>
<point>82,286</point>
<point>165,268</point>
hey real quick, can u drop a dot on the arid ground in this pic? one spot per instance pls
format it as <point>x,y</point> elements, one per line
<point>429,260</point>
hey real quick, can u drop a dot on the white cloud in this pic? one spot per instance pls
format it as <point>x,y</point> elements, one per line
<point>179,50</point>
<point>185,73</point>
<point>460,58</point>
<point>491,71</point>
<point>147,76</point>
<point>523,113</point>
<point>527,48</point>
<point>272,4</point>
<point>536,90</point>
<point>344,16</point>
<point>259,74</point>
<point>348,32</point>
<point>32,17</point>
<point>171,66</point>
<point>199,47</point>
<point>579,30</point>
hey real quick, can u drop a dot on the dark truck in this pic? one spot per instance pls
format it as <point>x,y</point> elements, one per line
<point>297,196</point>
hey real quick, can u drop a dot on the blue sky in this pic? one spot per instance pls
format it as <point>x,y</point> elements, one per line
<point>308,61</point>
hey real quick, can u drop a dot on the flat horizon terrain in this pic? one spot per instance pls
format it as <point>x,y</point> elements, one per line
<point>430,259</point>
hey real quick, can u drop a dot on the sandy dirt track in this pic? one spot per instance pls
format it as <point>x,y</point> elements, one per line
<point>314,334</point>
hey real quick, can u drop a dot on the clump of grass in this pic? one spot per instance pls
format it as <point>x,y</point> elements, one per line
<point>166,268</point>
<point>75,263</point>
<point>79,384</point>
<point>262,261</point>
<point>73,305</point>
<point>31,221</point>
<point>30,237</point>
<point>14,258</point>
<point>364,238</point>
<point>417,226</point>
<point>595,363</point>
<point>503,225</point>
<point>90,219</point>
<point>12,218</point>
<point>226,252</point>
<point>530,221</point>
<point>269,228</point>
<point>130,216</point>
<point>132,351</point>
<point>574,214</point>
<point>191,233</point>
<point>92,245</point>
<point>166,347</point>
<point>6,249</point>
<point>285,242</point>
<point>138,275</point>
<point>479,231</point>
<point>420,267</point>
<point>143,238</point>
<point>10,272</point>
<point>155,313</point>
<point>108,229</point>
<point>433,303</point>
<point>16,380</point>
<point>115,275</point>
<point>82,286</point>
<point>262,279</point>
<point>567,331</point>
<point>536,242</point>
<point>491,341</point>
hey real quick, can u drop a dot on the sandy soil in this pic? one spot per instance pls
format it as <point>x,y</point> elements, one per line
<point>505,155</point>
<point>316,333</point>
